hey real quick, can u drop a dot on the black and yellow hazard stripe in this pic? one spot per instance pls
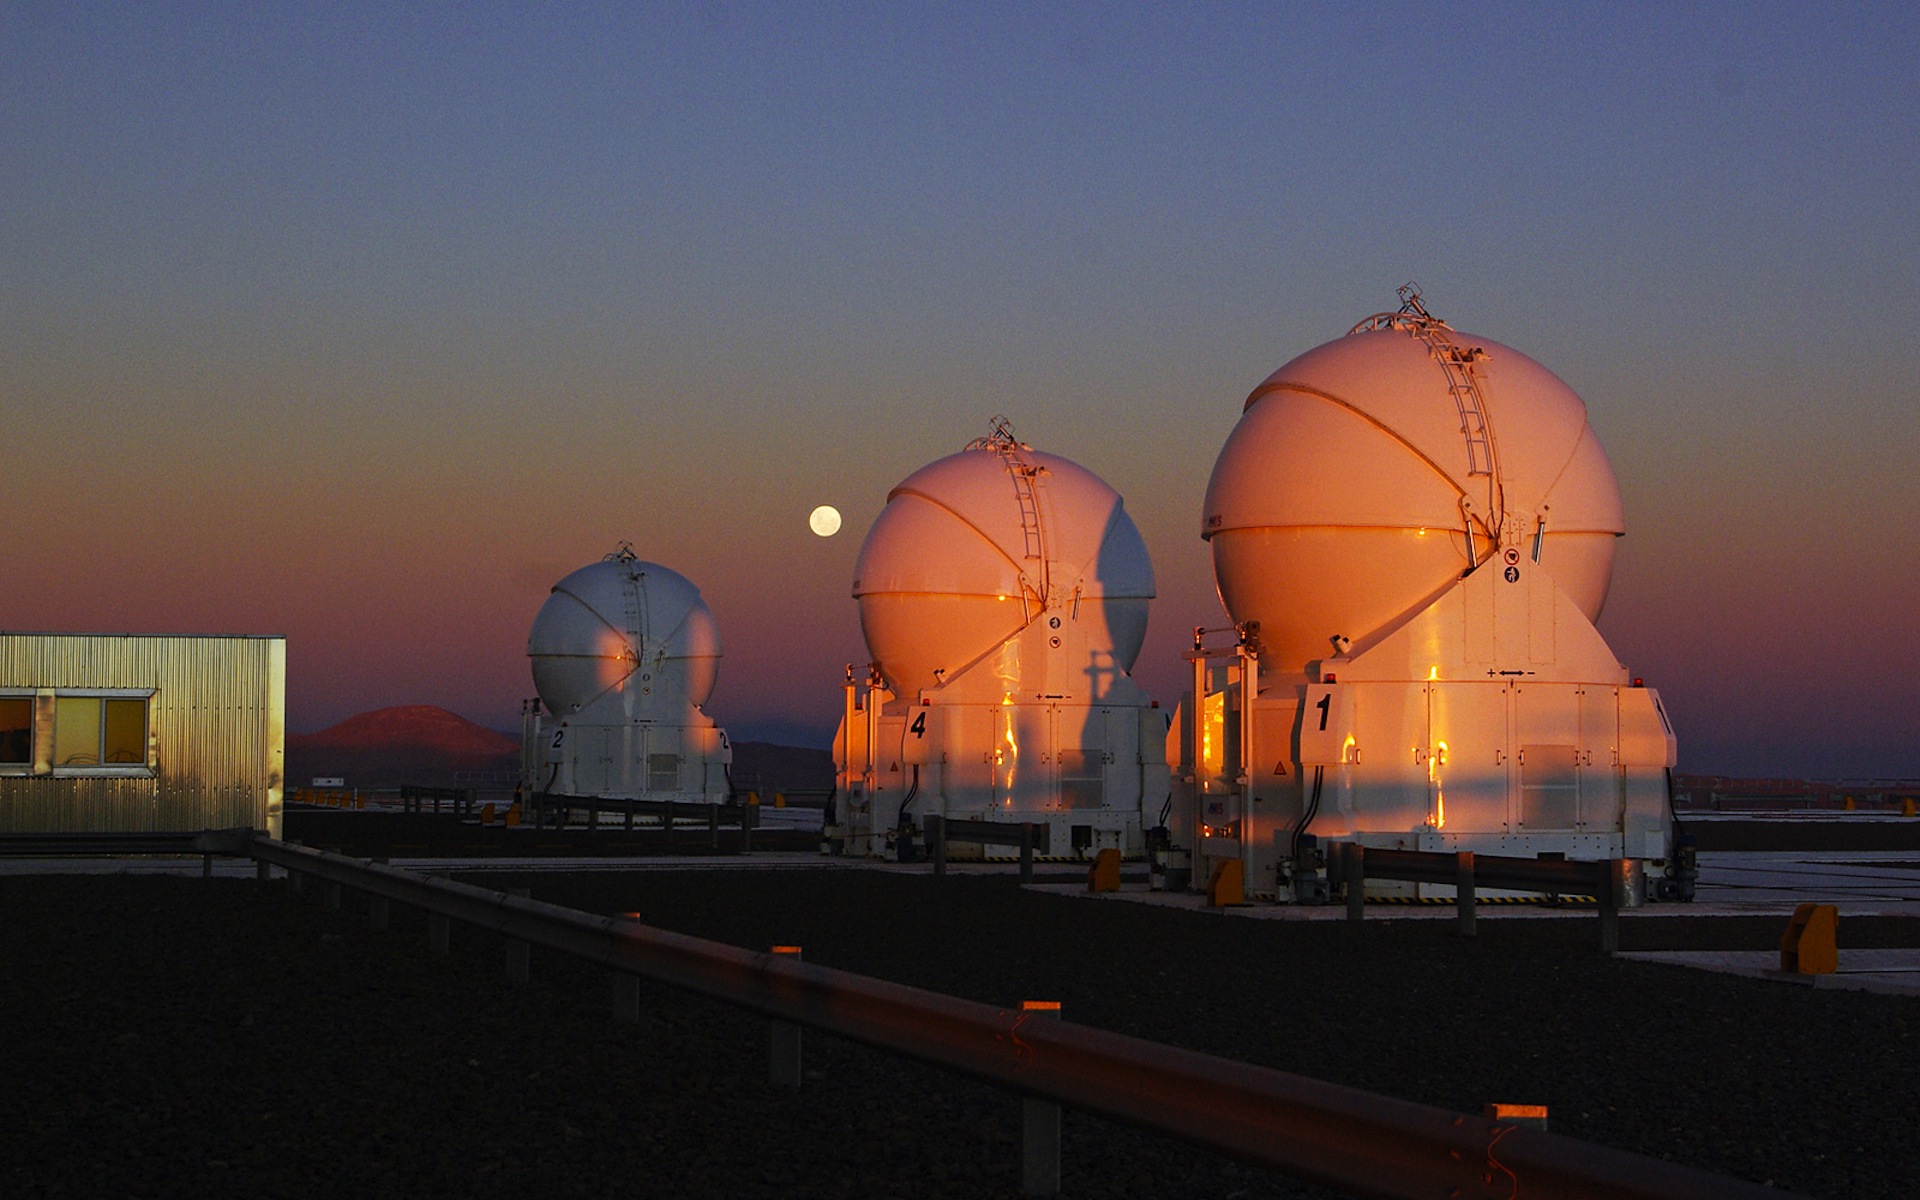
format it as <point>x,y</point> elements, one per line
<point>1550,900</point>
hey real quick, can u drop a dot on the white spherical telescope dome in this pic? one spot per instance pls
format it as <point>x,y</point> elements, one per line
<point>1369,474</point>
<point>627,630</point>
<point>971,548</point>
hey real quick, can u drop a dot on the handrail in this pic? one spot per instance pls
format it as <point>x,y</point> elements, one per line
<point>1028,835</point>
<point>1351,864</point>
<point>1326,1133</point>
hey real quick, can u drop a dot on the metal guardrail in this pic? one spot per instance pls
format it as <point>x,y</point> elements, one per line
<point>1028,835</point>
<point>1352,864</point>
<point>1326,1133</point>
<point>415,797</point>
<point>558,808</point>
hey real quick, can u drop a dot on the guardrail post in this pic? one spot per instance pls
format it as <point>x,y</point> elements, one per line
<point>1026,853</point>
<point>519,954</point>
<point>783,1046</point>
<point>296,882</point>
<point>262,870</point>
<point>937,834</point>
<point>439,934</point>
<point>713,826</point>
<point>1612,877</point>
<point>1463,890</point>
<point>379,915</point>
<point>666,823</point>
<point>1355,873</point>
<point>748,815</point>
<point>206,865</point>
<point>1039,1125</point>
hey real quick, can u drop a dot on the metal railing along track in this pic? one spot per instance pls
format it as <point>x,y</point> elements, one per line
<point>1326,1133</point>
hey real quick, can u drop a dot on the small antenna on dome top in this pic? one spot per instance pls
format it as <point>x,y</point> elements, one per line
<point>1411,317</point>
<point>1410,301</point>
<point>623,554</point>
<point>1001,439</point>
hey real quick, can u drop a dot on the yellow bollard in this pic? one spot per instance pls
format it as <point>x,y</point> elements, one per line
<point>1104,874</point>
<point>513,816</point>
<point>1226,887</point>
<point>1907,807</point>
<point>1810,945</point>
<point>779,799</point>
<point>486,815</point>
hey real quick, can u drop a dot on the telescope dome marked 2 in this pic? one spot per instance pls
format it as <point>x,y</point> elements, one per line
<point>824,520</point>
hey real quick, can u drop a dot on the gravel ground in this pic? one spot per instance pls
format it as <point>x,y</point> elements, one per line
<point>174,1037</point>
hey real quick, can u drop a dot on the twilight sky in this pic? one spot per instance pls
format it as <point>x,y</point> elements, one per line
<point>366,325</point>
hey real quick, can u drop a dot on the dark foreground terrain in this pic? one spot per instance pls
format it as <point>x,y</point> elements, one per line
<point>174,1037</point>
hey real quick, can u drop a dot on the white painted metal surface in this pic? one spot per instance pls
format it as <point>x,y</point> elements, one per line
<point>1003,592</point>
<point>971,548</point>
<point>1349,496</point>
<point>628,634</point>
<point>624,652</point>
<point>1413,530</point>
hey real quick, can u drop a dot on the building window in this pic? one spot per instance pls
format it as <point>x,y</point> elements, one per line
<point>16,730</point>
<point>123,732</point>
<point>78,732</point>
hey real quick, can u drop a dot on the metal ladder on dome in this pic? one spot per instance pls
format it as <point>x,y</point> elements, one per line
<point>1002,442</point>
<point>1036,551</point>
<point>630,602</point>
<point>1456,363</point>
<point>1456,366</point>
<point>1029,507</point>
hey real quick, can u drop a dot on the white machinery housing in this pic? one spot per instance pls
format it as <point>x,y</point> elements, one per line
<point>624,654</point>
<point>1003,594</point>
<point>1413,530</point>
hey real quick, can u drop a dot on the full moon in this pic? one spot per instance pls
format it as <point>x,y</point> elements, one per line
<point>824,520</point>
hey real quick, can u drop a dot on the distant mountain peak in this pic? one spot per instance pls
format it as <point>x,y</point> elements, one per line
<point>416,727</point>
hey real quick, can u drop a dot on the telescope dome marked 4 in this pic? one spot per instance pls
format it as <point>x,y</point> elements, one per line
<point>824,521</point>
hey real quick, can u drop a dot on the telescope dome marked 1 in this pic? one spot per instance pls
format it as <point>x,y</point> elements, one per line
<point>1413,529</point>
<point>1368,474</point>
<point>824,520</point>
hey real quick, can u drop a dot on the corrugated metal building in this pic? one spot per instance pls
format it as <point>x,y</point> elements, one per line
<point>113,733</point>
